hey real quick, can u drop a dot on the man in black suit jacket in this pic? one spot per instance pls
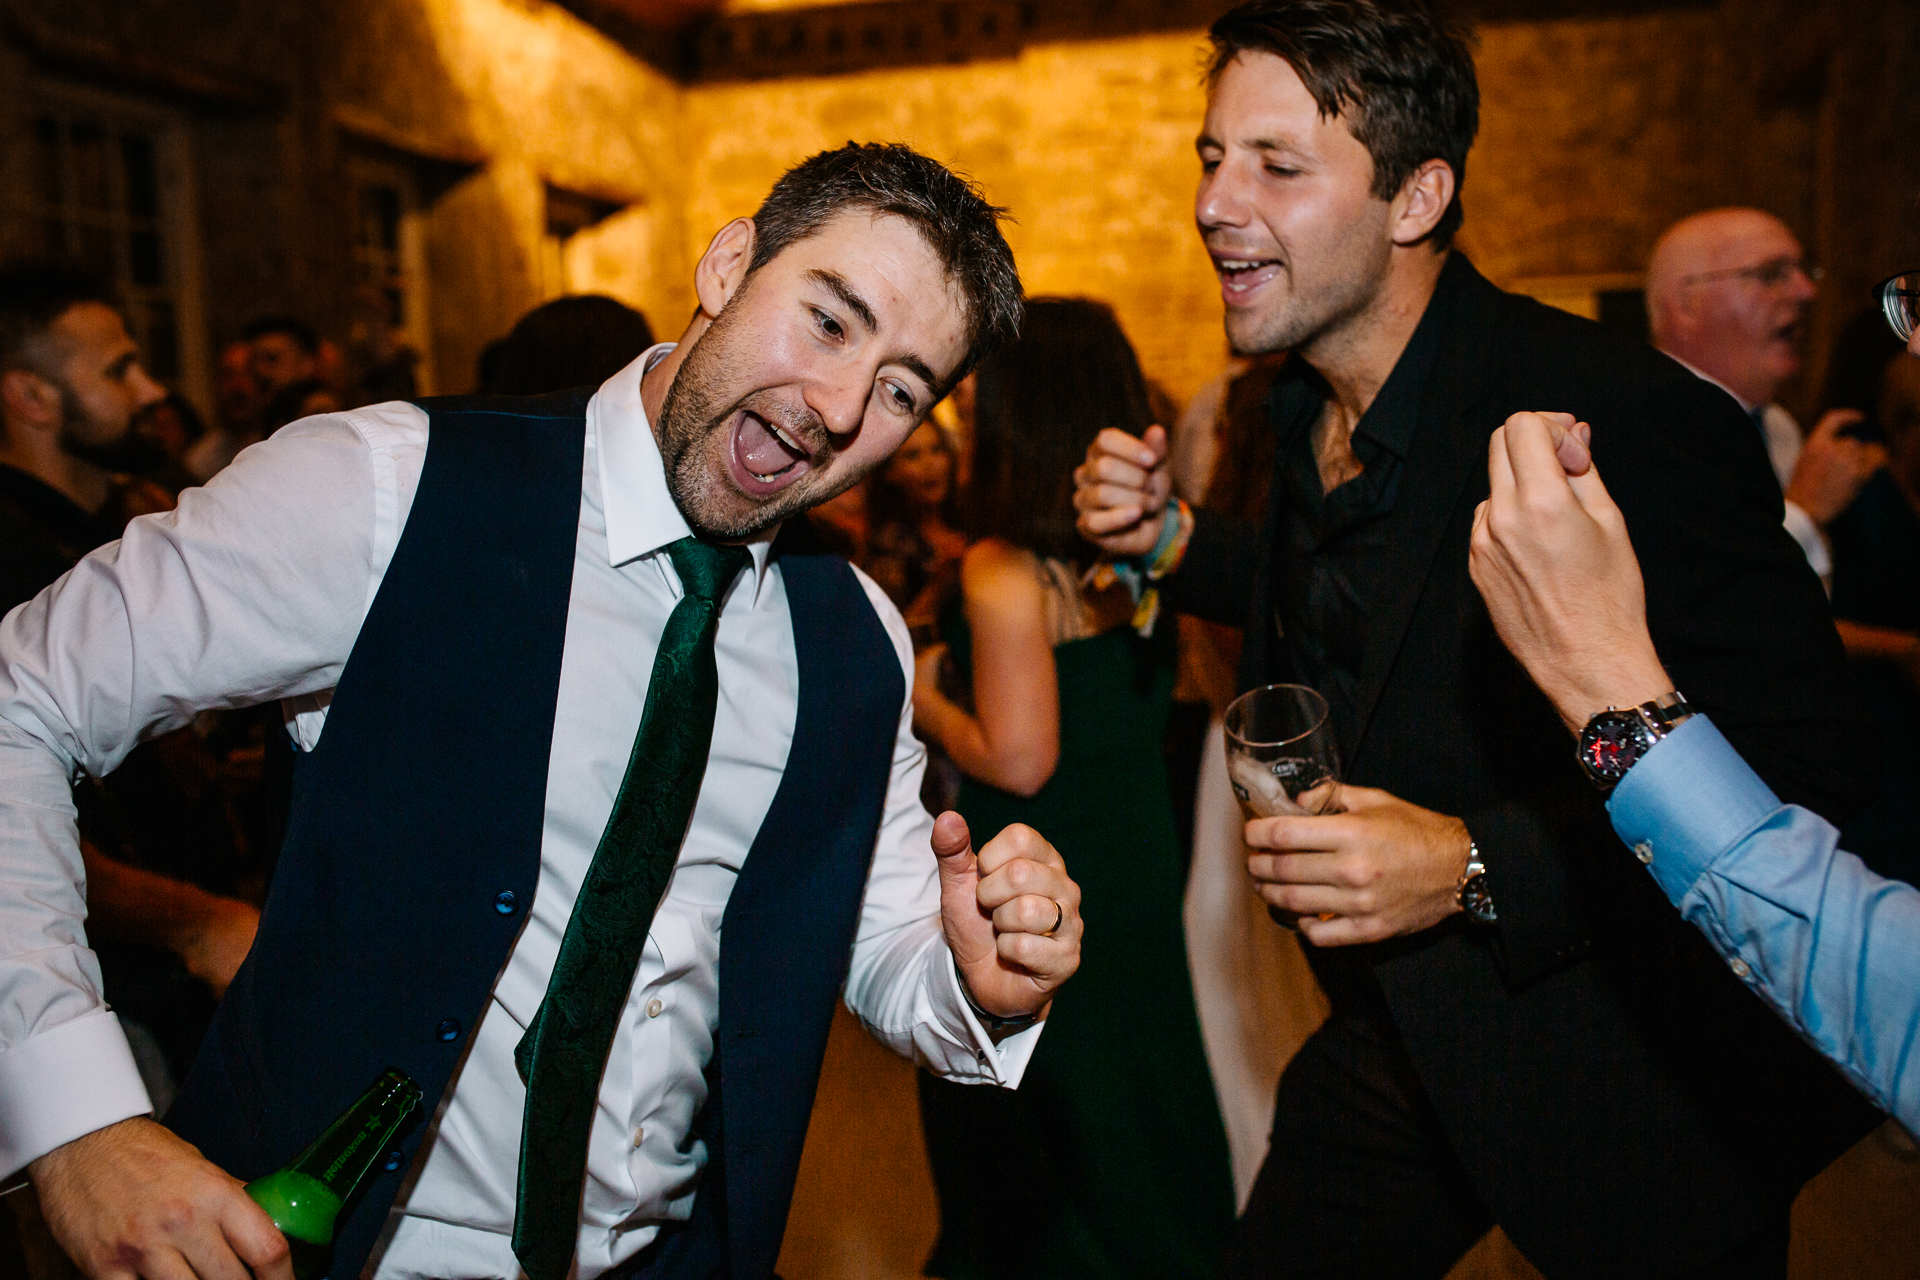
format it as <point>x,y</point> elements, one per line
<point>1522,1032</point>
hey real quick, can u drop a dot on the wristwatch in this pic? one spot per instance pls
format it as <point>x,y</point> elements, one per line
<point>993,1022</point>
<point>1471,893</point>
<point>1614,740</point>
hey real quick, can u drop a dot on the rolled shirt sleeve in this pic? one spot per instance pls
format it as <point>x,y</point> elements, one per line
<point>252,589</point>
<point>902,984</point>
<point>1833,947</point>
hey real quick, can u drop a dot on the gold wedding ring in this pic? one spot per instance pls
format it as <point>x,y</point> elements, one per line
<point>1058,920</point>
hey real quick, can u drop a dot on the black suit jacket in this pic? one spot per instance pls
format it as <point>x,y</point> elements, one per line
<point>1617,1097</point>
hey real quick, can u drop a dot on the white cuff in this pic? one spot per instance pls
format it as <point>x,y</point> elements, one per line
<point>1811,540</point>
<point>64,1084</point>
<point>1004,1063</point>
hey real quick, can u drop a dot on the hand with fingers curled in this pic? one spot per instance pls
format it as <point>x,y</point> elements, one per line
<point>1833,467</point>
<point>1381,869</point>
<point>1551,557</point>
<point>1011,916</point>
<point>1121,491</point>
<point>133,1200</point>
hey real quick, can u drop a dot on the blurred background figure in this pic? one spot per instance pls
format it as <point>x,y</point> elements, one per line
<point>283,351</point>
<point>910,516</point>
<point>576,341</point>
<point>1876,604</point>
<point>176,427</point>
<point>1114,1138</point>
<point>298,400</point>
<point>238,400</point>
<point>914,543</point>
<point>1727,296</point>
<point>159,833</point>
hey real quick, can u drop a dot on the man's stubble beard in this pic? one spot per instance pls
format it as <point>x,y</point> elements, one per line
<point>693,423</point>
<point>1305,317</point>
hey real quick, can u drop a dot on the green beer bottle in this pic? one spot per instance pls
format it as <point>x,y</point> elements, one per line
<point>305,1198</point>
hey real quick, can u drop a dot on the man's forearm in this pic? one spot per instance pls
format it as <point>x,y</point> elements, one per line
<point>65,1069</point>
<point>1830,945</point>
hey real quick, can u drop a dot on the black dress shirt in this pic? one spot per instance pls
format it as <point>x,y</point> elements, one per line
<point>1332,553</point>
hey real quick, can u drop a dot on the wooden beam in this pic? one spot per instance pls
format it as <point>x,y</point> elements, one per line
<point>831,39</point>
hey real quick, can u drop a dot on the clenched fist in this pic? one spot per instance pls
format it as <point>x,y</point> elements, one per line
<point>1011,915</point>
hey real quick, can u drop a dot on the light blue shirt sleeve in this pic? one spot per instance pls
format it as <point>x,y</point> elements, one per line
<point>1834,948</point>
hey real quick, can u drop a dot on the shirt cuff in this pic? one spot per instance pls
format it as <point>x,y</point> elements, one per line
<point>64,1084</point>
<point>1004,1063</point>
<point>1813,543</point>
<point>1687,801</point>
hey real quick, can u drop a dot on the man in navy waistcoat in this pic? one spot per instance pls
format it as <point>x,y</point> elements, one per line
<point>568,721</point>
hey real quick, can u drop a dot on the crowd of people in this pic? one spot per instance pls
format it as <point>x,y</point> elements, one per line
<point>852,629</point>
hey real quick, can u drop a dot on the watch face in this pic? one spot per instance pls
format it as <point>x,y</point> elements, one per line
<point>1612,742</point>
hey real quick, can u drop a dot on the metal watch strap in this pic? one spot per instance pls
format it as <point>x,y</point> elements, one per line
<point>1471,891</point>
<point>1665,713</point>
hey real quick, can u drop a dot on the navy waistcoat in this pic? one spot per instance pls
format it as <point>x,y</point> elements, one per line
<point>414,847</point>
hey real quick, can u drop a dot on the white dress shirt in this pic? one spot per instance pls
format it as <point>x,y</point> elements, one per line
<point>255,589</point>
<point>1783,440</point>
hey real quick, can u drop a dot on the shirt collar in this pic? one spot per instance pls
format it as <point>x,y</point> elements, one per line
<point>1704,376</point>
<point>1299,396</point>
<point>642,516</point>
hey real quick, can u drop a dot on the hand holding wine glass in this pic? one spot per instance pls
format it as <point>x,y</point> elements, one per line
<point>1281,757</point>
<point>1343,864</point>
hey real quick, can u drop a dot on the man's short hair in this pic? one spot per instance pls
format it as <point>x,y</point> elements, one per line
<point>1401,73</point>
<point>299,331</point>
<point>958,223</point>
<point>35,292</point>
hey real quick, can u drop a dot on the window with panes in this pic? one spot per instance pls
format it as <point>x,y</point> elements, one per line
<point>98,196</point>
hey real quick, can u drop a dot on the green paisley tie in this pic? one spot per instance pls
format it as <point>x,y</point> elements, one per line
<point>564,1051</point>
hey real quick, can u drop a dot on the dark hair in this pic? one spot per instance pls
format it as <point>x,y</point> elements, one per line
<point>35,292</point>
<point>578,341</point>
<point>1038,404</point>
<point>1405,71</point>
<point>288,326</point>
<point>958,223</point>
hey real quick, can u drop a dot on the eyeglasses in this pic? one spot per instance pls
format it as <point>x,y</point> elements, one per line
<point>1770,274</point>
<point>1899,297</point>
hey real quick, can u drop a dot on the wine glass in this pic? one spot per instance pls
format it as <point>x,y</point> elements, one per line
<point>1281,756</point>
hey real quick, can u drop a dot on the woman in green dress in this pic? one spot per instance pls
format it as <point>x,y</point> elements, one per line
<point>1110,1160</point>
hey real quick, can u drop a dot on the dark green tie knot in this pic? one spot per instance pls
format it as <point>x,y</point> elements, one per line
<point>706,568</point>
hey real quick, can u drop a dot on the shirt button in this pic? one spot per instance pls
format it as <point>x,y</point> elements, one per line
<point>449,1029</point>
<point>653,1008</point>
<point>1739,967</point>
<point>639,1134</point>
<point>506,901</point>
<point>1643,851</point>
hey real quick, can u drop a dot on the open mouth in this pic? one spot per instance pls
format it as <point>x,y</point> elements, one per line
<point>1241,276</point>
<point>765,457</point>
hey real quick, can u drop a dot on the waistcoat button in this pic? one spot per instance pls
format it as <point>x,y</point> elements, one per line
<point>394,1160</point>
<point>449,1029</point>
<point>505,901</point>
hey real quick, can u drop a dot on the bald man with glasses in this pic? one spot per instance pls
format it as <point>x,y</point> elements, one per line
<point>1727,296</point>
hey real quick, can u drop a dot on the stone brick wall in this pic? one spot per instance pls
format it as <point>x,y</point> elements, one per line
<point>1598,131</point>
